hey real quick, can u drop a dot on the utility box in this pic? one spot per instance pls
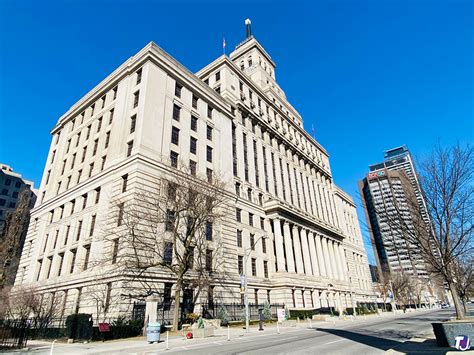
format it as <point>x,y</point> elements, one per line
<point>153,332</point>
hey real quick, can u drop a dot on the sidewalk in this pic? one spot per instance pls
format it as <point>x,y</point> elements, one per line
<point>220,335</point>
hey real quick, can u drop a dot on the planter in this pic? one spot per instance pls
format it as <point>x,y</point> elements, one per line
<point>447,332</point>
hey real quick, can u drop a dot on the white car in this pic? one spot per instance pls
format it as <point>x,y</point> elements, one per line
<point>445,305</point>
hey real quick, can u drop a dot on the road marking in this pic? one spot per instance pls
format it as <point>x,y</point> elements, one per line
<point>335,341</point>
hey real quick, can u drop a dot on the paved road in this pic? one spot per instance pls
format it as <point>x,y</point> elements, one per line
<point>354,338</point>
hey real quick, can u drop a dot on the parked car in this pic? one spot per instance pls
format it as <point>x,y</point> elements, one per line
<point>445,305</point>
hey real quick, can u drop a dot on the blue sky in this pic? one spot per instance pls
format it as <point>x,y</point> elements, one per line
<point>369,75</point>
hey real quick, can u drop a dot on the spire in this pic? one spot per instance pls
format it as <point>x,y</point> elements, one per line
<point>248,29</point>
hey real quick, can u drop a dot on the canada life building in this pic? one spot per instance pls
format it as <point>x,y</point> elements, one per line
<point>230,118</point>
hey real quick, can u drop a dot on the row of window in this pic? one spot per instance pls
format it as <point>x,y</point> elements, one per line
<point>253,263</point>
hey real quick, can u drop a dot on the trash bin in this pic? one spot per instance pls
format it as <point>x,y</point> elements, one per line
<point>153,332</point>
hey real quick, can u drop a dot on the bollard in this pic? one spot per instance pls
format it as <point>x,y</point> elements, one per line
<point>228,333</point>
<point>52,346</point>
<point>167,344</point>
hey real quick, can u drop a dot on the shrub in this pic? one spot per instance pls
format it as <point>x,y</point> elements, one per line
<point>301,314</point>
<point>192,317</point>
<point>79,326</point>
<point>223,315</point>
<point>267,312</point>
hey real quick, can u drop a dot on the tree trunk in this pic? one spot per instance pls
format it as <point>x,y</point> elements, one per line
<point>457,302</point>
<point>177,299</point>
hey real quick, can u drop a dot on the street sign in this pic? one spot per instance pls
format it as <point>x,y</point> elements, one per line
<point>281,314</point>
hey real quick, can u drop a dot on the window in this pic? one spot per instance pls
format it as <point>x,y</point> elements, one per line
<point>252,241</point>
<point>67,146</point>
<point>172,192</point>
<point>102,165</point>
<point>239,238</point>
<point>15,194</point>
<point>79,228</point>
<point>238,215</point>
<point>209,111</point>
<point>264,246</point>
<point>174,159</point>
<point>91,232</point>
<point>97,195</point>
<point>120,214</point>
<point>84,153</point>
<point>59,188</point>
<point>208,230</point>
<point>99,124</point>
<point>88,133</point>
<point>115,248</point>
<point>254,267</point>
<point>91,168</point>
<point>249,194</point>
<point>124,182</point>
<point>107,140</point>
<point>218,76</point>
<point>107,296</point>
<point>84,201</point>
<point>79,173</point>
<point>209,132</point>
<point>177,89</point>
<point>168,253</point>
<point>102,99</point>
<point>209,175</point>
<point>192,167</point>
<point>111,116</point>
<point>209,154</point>
<point>139,76</point>
<point>250,219</point>
<point>176,112</point>
<point>55,239</point>
<point>60,263</point>
<point>87,249</point>
<point>240,264</point>
<point>129,148</point>
<point>194,123</point>
<point>170,219</point>
<point>96,143</point>
<point>136,97</point>
<point>175,135</point>
<point>193,145</point>
<point>208,260</point>
<point>50,261</point>
<point>167,296</point>
<point>133,122</point>
<point>114,90</point>
<point>52,156</point>
<point>265,269</point>
<point>48,175</point>
<point>195,102</point>
<point>66,236</point>
<point>2,202</point>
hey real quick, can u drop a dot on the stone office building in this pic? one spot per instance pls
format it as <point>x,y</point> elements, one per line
<point>232,119</point>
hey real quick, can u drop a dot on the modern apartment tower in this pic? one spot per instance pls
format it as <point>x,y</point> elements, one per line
<point>231,118</point>
<point>387,193</point>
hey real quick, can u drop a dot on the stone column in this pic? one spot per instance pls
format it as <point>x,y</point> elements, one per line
<point>312,252</point>
<point>280,255</point>
<point>299,259</point>
<point>344,261</point>
<point>332,256</point>
<point>327,258</point>
<point>306,257</point>
<point>290,261</point>
<point>319,252</point>
<point>340,264</point>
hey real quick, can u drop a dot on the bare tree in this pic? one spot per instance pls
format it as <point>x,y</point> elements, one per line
<point>101,296</point>
<point>13,238</point>
<point>384,285</point>
<point>169,227</point>
<point>446,180</point>
<point>465,280</point>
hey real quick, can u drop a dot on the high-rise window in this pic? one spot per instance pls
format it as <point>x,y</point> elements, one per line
<point>209,175</point>
<point>111,116</point>
<point>208,260</point>
<point>107,140</point>
<point>176,112</point>
<point>209,111</point>
<point>209,132</point>
<point>129,148</point>
<point>250,219</point>
<point>218,76</point>
<point>79,228</point>
<point>170,220</point>
<point>83,158</point>
<point>99,124</point>
<point>194,123</point>
<point>239,238</point>
<point>265,269</point>
<point>115,249</point>
<point>193,145</point>
<point>88,132</point>
<point>97,195</point>
<point>136,97</point>
<point>87,249</point>
<point>192,167</point>
<point>240,264</point>
<point>255,162</point>
<point>175,135</point>
<point>73,260</point>
<point>246,162</point>
<point>208,230</point>
<point>139,76</point>
<point>174,159</point>
<point>133,122</point>
<point>195,101</point>
<point>168,253</point>
<point>234,151</point>
<point>264,246</point>
<point>91,168</point>
<point>209,154</point>
<point>177,89</point>
<point>66,236</point>
<point>238,214</point>
<point>84,201</point>
<point>124,182</point>
<point>96,143</point>
<point>120,214</point>
<point>254,267</point>
<point>114,90</point>
<point>252,241</point>
<point>91,232</point>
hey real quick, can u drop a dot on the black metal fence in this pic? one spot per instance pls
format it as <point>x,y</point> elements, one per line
<point>13,333</point>
<point>236,311</point>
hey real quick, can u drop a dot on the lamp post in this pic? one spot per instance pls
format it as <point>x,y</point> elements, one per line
<point>329,290</point>
<point>352,297</point>
<point>246,298</point>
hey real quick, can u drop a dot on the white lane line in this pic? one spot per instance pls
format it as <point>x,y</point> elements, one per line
<point>335,341</point>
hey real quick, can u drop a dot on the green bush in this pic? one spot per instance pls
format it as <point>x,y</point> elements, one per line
<point>301,314</point>
<point>79,326</point>
<point>267,312</point>
<point>223,315</point>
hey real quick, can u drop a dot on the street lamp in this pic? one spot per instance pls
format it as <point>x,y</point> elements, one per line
<point>329,290</point>
<point>244,281</point>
